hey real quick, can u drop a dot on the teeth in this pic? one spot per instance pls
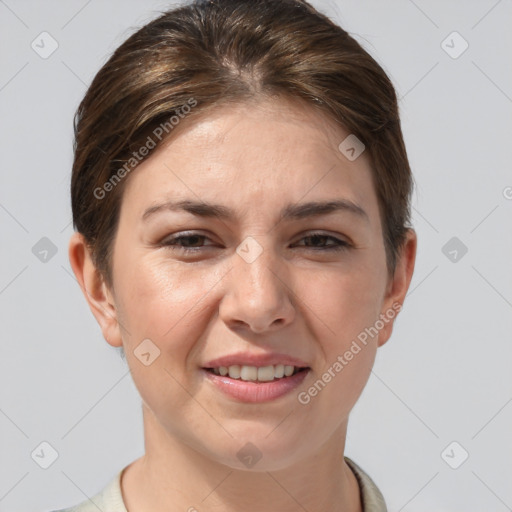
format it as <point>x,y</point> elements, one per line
<point>266,373</point>
<point>249,373</point>
<point>279,371</point>
<point>288,370</point>
<point>234,371</point>
<point>254,373</point>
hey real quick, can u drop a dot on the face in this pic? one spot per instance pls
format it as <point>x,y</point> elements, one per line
<point>261,281</point>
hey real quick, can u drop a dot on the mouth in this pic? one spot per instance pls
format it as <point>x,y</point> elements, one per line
<point>255,384</point>
<point>247,373</point>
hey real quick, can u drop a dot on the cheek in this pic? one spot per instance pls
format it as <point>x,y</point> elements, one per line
<point>341,308</point>
<point>165,301</point>
<point>344,302</point>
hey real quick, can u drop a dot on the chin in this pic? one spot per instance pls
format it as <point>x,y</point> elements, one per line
<point>260,449</point>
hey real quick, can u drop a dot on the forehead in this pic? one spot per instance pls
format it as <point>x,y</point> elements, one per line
<point>261,153</point>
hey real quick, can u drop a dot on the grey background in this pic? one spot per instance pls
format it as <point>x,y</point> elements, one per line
<point>444,376</point>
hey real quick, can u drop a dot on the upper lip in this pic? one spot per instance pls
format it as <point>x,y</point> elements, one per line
<point>248,359</point>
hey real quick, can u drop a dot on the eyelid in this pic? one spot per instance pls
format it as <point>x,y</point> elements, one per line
<point>340,241</point>
<point>183,234</point>
<point>338,236</point>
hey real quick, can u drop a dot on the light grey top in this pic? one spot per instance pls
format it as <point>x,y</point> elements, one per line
<point>110,499</point>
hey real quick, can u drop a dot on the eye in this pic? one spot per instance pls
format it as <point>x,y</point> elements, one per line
<point>193,242</point>
<point>186,238</point>
<point>336,243</point>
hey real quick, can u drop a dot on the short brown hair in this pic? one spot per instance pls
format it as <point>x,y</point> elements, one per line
<point>209,53</point>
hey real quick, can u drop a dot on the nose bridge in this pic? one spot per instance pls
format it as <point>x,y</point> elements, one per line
<point>257,271</point>
<point>257,293</point>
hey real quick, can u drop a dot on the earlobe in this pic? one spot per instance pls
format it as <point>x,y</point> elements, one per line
<point>398,285</point>
<point>95,290</point>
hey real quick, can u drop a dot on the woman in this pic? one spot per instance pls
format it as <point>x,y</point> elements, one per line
<point>240,196</point>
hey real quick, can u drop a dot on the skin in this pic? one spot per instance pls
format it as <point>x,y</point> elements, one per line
<point>294,298</point>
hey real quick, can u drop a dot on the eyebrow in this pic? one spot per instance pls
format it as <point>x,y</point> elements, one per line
<point>293,211</point>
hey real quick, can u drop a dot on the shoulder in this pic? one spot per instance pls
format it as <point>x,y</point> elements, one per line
<point>371,497</point>
<point>109,499</point>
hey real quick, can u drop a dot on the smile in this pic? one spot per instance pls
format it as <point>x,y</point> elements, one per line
<point>252,384</point>
<point>256,374</point>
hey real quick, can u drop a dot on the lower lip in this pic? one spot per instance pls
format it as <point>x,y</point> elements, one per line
<point>256,392</point>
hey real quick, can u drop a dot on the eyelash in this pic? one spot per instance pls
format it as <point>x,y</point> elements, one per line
<point>172,243</point>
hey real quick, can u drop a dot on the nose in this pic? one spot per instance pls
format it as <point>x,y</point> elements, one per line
<point>258,295</point>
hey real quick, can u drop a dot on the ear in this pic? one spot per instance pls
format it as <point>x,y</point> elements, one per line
<point>398,285</point>
<point>98,295</point>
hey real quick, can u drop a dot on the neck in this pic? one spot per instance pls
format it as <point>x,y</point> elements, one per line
<point>172,476</point>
